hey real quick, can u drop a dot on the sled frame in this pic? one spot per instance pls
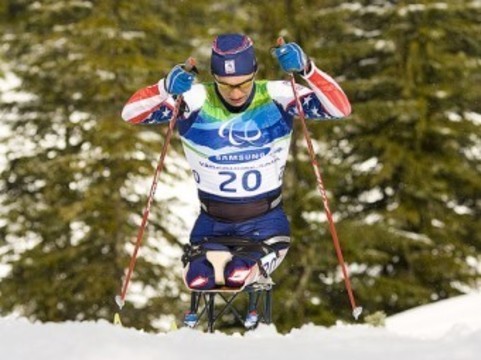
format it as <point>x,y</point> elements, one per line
<point>203,303</point>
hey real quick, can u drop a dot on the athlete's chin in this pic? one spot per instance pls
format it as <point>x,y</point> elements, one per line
<point>237,102</point>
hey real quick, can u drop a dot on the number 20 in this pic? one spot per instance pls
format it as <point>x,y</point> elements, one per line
<point>251,181</point>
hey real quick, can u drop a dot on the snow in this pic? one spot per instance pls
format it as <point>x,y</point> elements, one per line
<point>455,316</point>
<point>368,166</point>
<point>449,329</point>
<point>474,117</point>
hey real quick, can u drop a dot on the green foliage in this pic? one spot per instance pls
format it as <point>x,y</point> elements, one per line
<point>71,193</point>
<point>378,319</point>
<point>402,171</point>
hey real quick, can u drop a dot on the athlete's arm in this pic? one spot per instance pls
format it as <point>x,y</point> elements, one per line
<point>323,99</point>
<point>151,104</point>
<point>154,105</point>
<point>327,90</point>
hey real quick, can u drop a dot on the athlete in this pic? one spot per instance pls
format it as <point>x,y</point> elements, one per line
<point>236,132</point>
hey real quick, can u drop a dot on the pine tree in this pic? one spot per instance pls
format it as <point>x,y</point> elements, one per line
<point>403,171</point>
<point>73,165</point>
<point>400,171</point>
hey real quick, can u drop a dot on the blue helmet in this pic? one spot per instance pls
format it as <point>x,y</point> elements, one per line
<point>233,55</point>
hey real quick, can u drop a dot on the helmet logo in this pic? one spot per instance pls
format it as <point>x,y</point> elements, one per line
<point>229,66</point>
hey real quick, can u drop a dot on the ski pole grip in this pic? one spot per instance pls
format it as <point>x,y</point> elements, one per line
<point>189,64</point>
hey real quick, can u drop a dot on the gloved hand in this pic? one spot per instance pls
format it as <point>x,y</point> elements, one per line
<point>291,57</point>
<point>179,80</point>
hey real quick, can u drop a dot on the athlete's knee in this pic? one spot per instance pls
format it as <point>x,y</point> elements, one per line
<point>200,275</point>
<point>238,271</point>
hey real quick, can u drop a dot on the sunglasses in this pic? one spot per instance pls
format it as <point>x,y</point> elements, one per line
<point>243,86</point>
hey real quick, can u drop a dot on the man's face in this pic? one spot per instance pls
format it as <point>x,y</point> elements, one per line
<point>235,89</point>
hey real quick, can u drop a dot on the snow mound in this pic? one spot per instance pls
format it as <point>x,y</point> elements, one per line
<point>448,330</point>
<point>458,315</point>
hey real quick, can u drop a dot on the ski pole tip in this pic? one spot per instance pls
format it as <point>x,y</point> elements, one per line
<point>357,312</point>
<point>119,301</point>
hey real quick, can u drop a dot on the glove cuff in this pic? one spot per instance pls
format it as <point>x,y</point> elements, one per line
<point>161,85</point>
<point>307,68</point>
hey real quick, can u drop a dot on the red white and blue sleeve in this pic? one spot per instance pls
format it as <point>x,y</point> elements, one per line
<point>323,99</point>
<point>148,105</point>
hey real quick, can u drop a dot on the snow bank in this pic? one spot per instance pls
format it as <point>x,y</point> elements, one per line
<point>20,339</point>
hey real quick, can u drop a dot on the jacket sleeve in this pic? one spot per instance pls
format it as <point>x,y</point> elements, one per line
<point>151,104</point>
<point>328,91</point>
<point>323,99</point>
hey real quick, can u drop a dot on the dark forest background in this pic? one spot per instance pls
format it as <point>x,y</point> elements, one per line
<point>403,171</point>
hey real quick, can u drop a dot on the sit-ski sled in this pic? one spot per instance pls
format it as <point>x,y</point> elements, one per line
<point>208,306</point>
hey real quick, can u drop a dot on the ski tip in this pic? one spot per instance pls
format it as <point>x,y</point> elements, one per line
<point>117,320</point>
<point>357,312</point>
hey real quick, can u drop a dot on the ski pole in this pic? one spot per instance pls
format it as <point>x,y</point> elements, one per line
<point>120,299</point>
<point>356,310</point>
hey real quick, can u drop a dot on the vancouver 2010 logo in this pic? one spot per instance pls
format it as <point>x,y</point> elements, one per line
<point>241,132</point>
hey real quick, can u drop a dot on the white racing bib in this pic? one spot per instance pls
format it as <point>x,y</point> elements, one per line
<point>237,173</point>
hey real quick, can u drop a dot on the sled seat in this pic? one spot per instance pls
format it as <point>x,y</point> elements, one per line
<point>219,251</point>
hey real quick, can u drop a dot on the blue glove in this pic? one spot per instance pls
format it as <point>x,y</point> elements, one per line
<point>178,81</point>
<point>291,57</point>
